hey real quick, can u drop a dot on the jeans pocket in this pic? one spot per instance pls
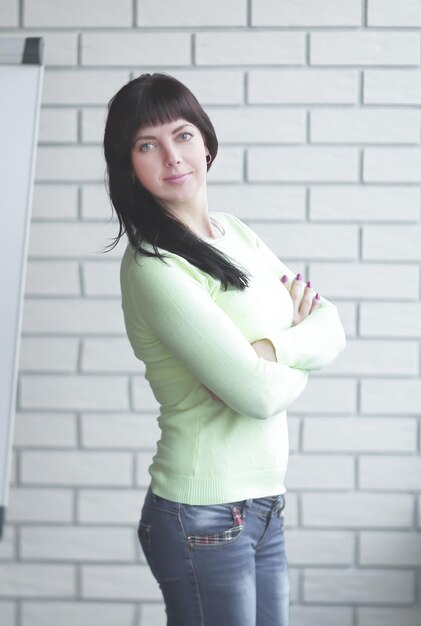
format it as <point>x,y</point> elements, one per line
<point>207,527</point>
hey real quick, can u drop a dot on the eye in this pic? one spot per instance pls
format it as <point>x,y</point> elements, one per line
<point>185,135</point>
<point>145,147</point>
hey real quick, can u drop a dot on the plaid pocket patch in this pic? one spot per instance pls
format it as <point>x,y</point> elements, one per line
<point>222,537</point>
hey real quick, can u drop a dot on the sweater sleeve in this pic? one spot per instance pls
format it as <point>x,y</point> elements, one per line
<point>318,339</point>
<point>178,309</point>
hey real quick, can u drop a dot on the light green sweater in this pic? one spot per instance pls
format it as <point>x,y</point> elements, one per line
<point>191,335</point>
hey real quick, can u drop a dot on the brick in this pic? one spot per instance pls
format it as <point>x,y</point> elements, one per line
<point>54,201</point>
<point>400,243</point>
<point>95,14</point>
<point>297,240</point>
<point>321,616</point>
<point>192,13</point>
<point>320,472</point>
<point>120,431</point>
<point>258,124</point>
<point>290,13</point>
<point>102,278</point>
<point>119,582</point>
<point>109,506</point>
<point>291,510</point>
<point>258,202</point>
<point>390,319</point>
<point>42,354</point>
<point>338,586</point>
<point>8,543</point>
<point>390,472</point>
<point>271,86</point>
<point>69,163</point>
<point>96,204</point>
<point>365,204</point>
<point>93,125</point>
<point>58,126</point>
<point>392,549</point>
<point>77,468</point>
<point>81,86</point>
<point>211,86</point>
<point>45,430</point>
<point>152,614</point>
<point>43,278</point>
<point>392,165</point>
<point>294,428</point>
<point>73,392</point>
<point>380,616</point>
<point>377,358</point>
<point>324,395</point>
<point>391,396</point>
<point>72,613</point>
<point>8,613</point>
<point>302,164</point>
<point>250,48</point>
<point>60,543</point>
<point>364,48</point>
<point>228,166</point>
<point>75,240</point>
<point>347,434</point>
<point>392,87</point>
<point>357,510</point>
<point>394,13</point>
<point>306,547</point>
<point>22,580</point>
<point>365,280</point>
<point>40,505</point>
<point>128,48</point>
<point>143,462</point>
<point>111,354</point>
<point>67,316</point>
<point>372,125</point>
<point>143,398</point>
<point>60,47</point>
<point>9,13</point>
<point>347,313</point>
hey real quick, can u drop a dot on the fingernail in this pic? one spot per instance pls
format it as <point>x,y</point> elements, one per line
<point>317,296</point>
<point>308,284</point>
<point>298,277</point>
<point>284,279</point>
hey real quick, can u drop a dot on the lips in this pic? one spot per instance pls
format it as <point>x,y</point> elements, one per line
<point>177,179</point>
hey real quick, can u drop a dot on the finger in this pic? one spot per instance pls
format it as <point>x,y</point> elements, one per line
<point>296,290</point>
<point>316,304</point>
<point>307,301</point>
<point>284,280</point>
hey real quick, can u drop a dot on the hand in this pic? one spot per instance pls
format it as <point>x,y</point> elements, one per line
<point>265,349</point>
<point>303,300</point>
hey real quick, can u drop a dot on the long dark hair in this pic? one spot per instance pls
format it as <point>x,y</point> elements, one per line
<point>149,100</point>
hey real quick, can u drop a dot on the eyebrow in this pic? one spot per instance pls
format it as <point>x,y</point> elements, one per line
<point>148,137</point>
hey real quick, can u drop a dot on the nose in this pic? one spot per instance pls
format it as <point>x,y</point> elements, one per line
<point>171,156</point>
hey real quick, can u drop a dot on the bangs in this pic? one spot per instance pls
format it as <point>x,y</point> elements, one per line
<point>163,102</point>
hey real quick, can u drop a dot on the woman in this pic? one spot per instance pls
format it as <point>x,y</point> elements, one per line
<point>228,335</point>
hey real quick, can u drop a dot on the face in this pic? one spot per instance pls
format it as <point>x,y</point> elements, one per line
<point>169,160</point>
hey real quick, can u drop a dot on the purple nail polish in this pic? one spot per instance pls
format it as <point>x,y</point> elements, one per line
<point>317,296</point>
<point>308,284</point>
<point>284,279</point>
<point>298,277</point>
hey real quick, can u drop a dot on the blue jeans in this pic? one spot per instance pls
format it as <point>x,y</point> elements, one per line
<point>218,565</point>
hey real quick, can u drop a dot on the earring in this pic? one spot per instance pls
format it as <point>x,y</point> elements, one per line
<point>133,177</point>
<point>208,159</point>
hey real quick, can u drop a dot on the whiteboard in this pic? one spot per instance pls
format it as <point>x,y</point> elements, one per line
<point>21,77</point>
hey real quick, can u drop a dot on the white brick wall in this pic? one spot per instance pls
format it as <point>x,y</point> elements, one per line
<point>316,105</point>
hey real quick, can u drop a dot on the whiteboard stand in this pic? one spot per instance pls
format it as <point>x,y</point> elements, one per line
<point>21,77</point>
